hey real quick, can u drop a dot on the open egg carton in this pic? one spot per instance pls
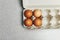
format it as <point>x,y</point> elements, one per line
<point>41,17</point>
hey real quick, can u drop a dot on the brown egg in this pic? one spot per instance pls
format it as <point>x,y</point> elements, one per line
<point>38,22</point>
<point>28,22</point>
<point>28,13</point>
<point>37,13</point>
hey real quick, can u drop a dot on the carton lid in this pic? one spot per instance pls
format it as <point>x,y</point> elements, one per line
<point>40,3</point>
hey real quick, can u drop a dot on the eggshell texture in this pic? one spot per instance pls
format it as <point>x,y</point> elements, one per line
<point>37,13</point>
<point>38,22</point>
<point>28,22</point>
<point>28,13</point>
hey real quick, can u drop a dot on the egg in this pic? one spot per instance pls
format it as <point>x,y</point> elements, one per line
<point>28,22</point>
<point>37,13</point>
<point>37,22</point>
<point>28,13</point>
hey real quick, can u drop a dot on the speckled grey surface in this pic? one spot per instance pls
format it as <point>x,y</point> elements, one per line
<point>12,29</point>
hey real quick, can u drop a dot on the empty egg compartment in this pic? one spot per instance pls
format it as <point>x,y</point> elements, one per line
<point>51,19</point>
<point>47,19</point>
<point>55,18</point>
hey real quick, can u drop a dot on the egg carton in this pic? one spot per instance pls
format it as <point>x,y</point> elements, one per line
<point>50,20</point>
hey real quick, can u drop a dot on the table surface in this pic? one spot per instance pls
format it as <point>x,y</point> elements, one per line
<point>11,26</point>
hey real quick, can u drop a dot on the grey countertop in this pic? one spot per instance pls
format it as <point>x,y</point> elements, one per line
<point>11,26</point>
